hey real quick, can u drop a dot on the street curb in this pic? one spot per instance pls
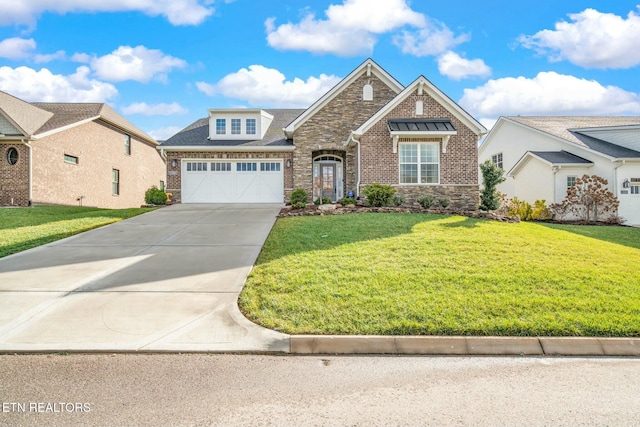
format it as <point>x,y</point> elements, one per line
<point>464,346</point>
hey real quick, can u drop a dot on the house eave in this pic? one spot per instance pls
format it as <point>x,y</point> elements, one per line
<point>233,149</point>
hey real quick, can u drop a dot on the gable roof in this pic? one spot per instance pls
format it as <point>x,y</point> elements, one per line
<point>370,66</point>
<point>422,83</point>
<point>26,117</point>
<point>40,119</point>
<point>573,129</point>
<point>552,158</point>
<point>196,136</point>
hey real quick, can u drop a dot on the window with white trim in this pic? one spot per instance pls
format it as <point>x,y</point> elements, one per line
<point>571,181</point>
<point>127,144</point>
<point>251,126</point>
<point>236,126</point>
<point>246,166</point>
<point>115,182</point>
<point>420,163</point>
<point>196,166</point>
<point>634,186</point>
<point>221,126</point>
<point>270,167</point>
<point>496,159</point>
<point>70,159</point>
<point>220,167</point>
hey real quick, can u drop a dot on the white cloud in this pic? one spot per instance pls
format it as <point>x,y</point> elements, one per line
<point>454,66</point>
<point>164,133</point>
<point>592,40</point>
<point>17,48</point>
<point>548,93</point>
<point>433,39</point>
<point>31,85</point>
<point>133,63</point>
<point>178,12</point>
<point>154,110</point>
<point>40,58</point>
<point>267,87</point>
<point>349,29</point>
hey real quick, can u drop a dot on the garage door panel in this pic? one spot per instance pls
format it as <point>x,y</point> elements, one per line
<point>233,182</point>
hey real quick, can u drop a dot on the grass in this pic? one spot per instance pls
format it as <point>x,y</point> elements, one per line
<point>26,228</point>
<point>410,274</point>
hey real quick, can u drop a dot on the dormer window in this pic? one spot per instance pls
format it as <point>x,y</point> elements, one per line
<point>236,126</point>
<point>251,126</point>
<point>221,126</point>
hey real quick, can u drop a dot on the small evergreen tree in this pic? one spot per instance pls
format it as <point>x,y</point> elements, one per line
<point>492,175</point>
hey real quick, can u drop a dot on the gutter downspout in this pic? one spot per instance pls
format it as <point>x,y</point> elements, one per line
<point>30,171</point>
<point>555,170</point>
<point>352,137</point>
<point>615,177</point>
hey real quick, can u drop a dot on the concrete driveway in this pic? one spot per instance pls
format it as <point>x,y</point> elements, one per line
<point>167,280</point>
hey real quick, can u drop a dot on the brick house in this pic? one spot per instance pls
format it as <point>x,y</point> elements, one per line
<point>368,128</point>
<point>72,154</point>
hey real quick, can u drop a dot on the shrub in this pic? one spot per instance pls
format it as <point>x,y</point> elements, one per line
<point>155,196</point>
<point>525,211</point>
<point>444,202</point>
<point>379,195</point>
<point>322,201</point>
<point>426,201</point>
<point>492,175</point>
<point>348,201</point>
<point>398,199</point>
<point>298,198</point>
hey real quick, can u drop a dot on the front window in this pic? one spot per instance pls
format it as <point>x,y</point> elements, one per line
<point>497,160</point>
<point>251,126</point>
<point>419,163</point>
<point>634,188</point>
<point>236,126</point>
<point>571,181</point>
<point>127,144</point>
<point>115,182</point>
<point>221,126</point>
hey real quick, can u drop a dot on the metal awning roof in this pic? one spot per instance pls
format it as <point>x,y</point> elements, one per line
<point>421,125</point>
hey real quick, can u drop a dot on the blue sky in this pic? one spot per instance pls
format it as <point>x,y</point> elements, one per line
<point>163,63</point>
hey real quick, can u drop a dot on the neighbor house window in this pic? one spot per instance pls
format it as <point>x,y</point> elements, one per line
<point>420,163</point>
<point>497,160</point>
<point>634,188</point>
<point>71,159</point>
<point>236,126</point>
<point>12,156</point>
<point>251,126</point>
<point>127,144</point>
<point>221,126</point>
<point>115,182</point>
<point>571,181</point>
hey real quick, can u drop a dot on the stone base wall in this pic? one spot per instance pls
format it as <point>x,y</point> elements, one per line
<point>460,197</point>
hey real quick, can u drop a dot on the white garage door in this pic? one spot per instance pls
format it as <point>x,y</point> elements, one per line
<point>240,181</point>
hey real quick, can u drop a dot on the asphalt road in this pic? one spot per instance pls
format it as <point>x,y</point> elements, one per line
<point>252,390</point>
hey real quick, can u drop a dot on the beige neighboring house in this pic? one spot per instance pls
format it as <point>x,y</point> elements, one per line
<point>543,155</point>
<point>74,154</point>
<point>368,128</point>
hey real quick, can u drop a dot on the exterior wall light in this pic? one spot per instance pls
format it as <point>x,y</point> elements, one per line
<point>288,163</point>
<point>174,163</point>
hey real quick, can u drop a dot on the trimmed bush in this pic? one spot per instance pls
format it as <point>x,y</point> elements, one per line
<point>155,196</point>
<point>444,202</point>
<point>299,198</point>
<point>398,199</point>
<point>426,201</point>
<point>348,201</point>
<point>379,195</point>
<point>323,201</point>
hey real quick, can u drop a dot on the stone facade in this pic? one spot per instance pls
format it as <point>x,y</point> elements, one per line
<point>174,173</point>
<point>330,127</point>
<point>14,179</point>
<point>99,149</point>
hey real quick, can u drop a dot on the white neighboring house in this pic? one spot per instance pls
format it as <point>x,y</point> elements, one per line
<point>543,155</point>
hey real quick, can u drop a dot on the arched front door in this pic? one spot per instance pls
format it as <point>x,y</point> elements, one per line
<point>328,177</point>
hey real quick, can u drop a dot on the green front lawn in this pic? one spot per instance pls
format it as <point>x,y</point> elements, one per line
<point>25,228</point>
<point>411,274</point>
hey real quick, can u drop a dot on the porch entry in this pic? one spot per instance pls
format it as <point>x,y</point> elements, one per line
<point>328,177</point>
